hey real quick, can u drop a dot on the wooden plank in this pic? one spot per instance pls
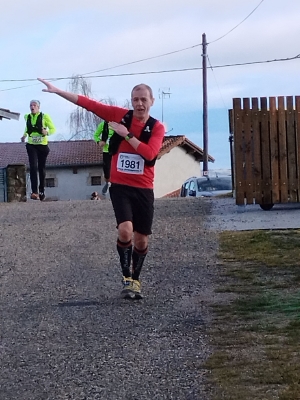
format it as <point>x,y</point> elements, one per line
<point>238,151</point>
<point>256,137</point>
<point>283,175</point>
<point>265,151</point>
<point>247,151</point>
<point>274,152</point>
<point>297,121</point>
<point>291,150</point>
<point>230,118</point>
<point>231,144</point>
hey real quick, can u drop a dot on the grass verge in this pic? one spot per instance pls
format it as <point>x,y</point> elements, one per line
<point>256,330</point>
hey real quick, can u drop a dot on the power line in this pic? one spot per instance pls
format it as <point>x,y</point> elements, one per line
<point>164,54</point>
<point>221,37</point>
<point>143,59</point>
<point>138,61</point>
<point>212,70</point>
<point>106,69</point>
<point>100,70</point>
<point>18,87</point>
<point>150,72</point>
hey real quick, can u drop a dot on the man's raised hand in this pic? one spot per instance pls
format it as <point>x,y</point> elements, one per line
<point>50,87</point>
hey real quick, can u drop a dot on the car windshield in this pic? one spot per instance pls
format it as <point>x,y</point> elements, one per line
<point>213,184</point>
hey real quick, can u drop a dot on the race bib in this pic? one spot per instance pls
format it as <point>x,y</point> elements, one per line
<point>37,139</point>
<point>130,163</point>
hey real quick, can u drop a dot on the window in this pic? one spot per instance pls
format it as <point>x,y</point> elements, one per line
<point>95,180</point>
<point>50,182</point>
<point>184,189</point>
<point>213,184</point>
<point>192,185</point>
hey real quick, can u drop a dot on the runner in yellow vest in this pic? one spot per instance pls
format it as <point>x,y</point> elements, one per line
<point>102,136</point>
<point>38,127</point>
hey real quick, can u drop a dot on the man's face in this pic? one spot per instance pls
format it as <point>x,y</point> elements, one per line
<point>141,101</point>
<point>34,108</point>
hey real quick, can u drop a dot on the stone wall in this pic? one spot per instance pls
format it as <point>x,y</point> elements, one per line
<point>16,182</point>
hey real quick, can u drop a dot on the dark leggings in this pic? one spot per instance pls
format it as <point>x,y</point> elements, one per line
<point>37,155</point>
<point>106,165</point>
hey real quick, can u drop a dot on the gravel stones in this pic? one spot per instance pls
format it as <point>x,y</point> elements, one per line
<point>65,331</point>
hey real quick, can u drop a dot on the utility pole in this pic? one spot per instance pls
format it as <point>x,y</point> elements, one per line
<point>205,122</point>
<point>162,95</point>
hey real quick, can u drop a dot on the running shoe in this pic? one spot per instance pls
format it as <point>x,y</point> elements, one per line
<point>127,292</point>
<point>34,196</point>
<point>42,196</point>
<point>136,289</point>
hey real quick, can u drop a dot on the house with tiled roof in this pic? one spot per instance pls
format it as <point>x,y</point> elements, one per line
<point>178,160</point>
<point>74,168</point>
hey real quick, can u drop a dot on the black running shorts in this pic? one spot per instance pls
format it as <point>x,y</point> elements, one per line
<point>133,204</point>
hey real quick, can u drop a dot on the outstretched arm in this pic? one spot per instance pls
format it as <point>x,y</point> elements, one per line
<point>72,97</point>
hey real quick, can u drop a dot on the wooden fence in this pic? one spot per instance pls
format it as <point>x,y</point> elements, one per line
<point>266,149</point>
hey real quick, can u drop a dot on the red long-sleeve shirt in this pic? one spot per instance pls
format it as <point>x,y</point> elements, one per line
<point>146,150</point>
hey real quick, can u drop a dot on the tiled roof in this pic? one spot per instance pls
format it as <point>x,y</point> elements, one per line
<point>84,152</point>
<point>62,153</point>
<point>77,152</point>
<point>173,141</point>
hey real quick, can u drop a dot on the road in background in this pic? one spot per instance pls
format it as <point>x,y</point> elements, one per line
<point>225,215</point>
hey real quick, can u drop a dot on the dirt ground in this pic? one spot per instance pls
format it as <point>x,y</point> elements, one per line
<point>66,333</point>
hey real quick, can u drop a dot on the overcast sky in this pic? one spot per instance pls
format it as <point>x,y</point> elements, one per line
<point>58,39</point>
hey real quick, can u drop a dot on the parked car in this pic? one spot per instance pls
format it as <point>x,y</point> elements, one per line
<point>206,186</point>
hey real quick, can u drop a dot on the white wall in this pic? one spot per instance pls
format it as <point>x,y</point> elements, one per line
<point>70,186</point>
<point>172,170</point>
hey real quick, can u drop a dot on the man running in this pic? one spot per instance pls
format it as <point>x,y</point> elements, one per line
<point>102,136</point>
<point>135,146</point>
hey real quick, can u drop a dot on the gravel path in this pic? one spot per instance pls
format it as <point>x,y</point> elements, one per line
<point>65,332</point>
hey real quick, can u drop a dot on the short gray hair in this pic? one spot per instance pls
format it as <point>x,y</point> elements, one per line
<point>143,85</point>
<point>35,101</point>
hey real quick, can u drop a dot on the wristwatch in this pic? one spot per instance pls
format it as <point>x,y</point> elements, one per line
<point>129,136</point>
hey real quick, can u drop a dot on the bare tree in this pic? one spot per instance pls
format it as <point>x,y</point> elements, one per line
<point>83,123</point>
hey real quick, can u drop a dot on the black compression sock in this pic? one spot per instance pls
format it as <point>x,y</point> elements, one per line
<point>138,258</point>
<point>125,251</point>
